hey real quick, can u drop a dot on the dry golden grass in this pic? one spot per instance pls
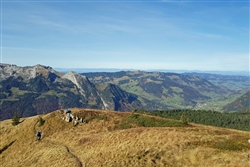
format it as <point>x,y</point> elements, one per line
<point>100,143</point>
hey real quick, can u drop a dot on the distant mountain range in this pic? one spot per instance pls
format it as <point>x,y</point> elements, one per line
<point>39,89</point>
<point>235,82</point>
<point>87,70</point>
<point>157,90</point>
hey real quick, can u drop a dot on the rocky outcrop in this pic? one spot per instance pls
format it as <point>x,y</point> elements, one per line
<point>69,117</point>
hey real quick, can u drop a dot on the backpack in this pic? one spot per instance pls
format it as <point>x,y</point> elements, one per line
<point>38,134</point>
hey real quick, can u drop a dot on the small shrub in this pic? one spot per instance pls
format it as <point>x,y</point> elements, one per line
<point>184,119</point>
<point>15,119</point>
<point>40,121</point>
<point>124,125</point>
<point>135,115</point>
<point>101,117</point>
<point>96,116</point>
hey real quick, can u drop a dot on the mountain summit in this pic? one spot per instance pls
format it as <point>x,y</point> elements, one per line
<point>28,72</point>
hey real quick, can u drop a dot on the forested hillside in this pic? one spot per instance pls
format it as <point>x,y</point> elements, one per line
<point>237,120</point>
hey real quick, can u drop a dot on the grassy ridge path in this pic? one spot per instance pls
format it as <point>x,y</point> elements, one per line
<point>73,155</point>
<point>58,144</point>
<point>69,151</point>
<point>100,143</point>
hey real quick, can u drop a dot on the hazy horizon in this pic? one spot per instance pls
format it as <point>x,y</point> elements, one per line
<point>86,70</point>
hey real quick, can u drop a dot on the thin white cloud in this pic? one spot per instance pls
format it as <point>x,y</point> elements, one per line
<point>46,23</point>
<point>116,35</point>
<point>205,35</point>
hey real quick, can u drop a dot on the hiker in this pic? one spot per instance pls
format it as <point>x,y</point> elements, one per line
<point>38,135</point>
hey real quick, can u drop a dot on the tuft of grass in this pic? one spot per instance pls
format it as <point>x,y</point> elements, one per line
<point>87,116</point>
<point>123,124</point>
<point>139,120</point>
<point>229,145</point>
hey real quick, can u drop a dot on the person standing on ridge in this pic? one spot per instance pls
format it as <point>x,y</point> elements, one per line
<point>38,135</point>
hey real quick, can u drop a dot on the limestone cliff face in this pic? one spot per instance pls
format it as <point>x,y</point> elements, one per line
<point>28,72</point>
<point>86,88</point>
<point>115,98</point>
<point>80,81</point>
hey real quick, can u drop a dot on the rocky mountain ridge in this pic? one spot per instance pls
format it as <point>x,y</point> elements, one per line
<point>39,89</point>
<point>159,90</point>
<point>235,82</point>
<point>27,72</point>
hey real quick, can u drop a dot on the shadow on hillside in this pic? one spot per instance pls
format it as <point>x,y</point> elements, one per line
<point>22,121</point>
<point>6,147</point>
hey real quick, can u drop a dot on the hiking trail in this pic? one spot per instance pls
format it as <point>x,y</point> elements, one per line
<point>66,147</point>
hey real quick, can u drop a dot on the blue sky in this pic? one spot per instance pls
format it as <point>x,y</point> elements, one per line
<point>174,35</point>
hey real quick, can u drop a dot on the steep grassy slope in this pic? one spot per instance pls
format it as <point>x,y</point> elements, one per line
<point>240,104</point>
<point>106,141</point>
